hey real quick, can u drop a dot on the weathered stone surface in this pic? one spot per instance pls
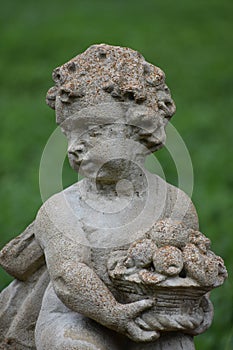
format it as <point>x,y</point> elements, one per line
<point>20,305</point>
<point>127,266</point>
<point>105,73</point>
<point>165,265</point>
<point>22,256</point>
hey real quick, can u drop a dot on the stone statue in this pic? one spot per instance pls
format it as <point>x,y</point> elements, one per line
<point>116,261</point>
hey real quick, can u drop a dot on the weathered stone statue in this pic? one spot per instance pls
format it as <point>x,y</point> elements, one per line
<point>116,261</point>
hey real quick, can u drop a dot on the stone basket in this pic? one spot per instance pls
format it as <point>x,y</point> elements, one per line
<point>180,303</point>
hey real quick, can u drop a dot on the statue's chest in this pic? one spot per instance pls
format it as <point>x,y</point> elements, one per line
<point>109,224</point>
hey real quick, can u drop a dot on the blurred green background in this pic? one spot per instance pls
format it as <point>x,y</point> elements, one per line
<point>190,40</point>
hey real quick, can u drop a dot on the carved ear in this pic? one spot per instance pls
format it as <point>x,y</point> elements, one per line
<point>165,103</point>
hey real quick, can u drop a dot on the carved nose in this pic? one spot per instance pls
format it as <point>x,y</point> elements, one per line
<point>76,150</point>
<point>167,106</point>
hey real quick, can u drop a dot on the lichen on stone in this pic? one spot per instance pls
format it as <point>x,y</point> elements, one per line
<point>104,73</point>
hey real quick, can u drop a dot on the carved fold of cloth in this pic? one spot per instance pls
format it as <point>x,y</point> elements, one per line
<point>20,302</point>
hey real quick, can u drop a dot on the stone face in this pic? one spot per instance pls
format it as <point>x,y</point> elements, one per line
<point>115,261</point>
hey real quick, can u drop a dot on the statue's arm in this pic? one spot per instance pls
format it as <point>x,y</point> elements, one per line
<point>22,256</point>
<point>81,289</point>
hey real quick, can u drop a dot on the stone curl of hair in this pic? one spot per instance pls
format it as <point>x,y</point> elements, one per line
<point>103,73</point>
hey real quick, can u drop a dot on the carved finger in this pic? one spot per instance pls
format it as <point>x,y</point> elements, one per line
<point>142,305</point>
<point>142,324</point>
<point>139,335</point>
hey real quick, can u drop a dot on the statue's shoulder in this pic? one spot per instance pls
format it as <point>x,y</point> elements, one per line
<point>177,205</point>
<point>60,203</point>
<point>60,216</point>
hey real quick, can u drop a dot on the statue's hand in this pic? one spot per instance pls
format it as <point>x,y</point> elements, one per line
<point>129,322</point>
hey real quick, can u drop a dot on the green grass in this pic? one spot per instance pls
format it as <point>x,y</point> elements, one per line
<point>190,40</point>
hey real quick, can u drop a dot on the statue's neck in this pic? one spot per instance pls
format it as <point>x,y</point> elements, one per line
<point>124,183</point>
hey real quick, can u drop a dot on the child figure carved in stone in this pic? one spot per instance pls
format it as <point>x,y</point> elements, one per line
<point>113,107</point>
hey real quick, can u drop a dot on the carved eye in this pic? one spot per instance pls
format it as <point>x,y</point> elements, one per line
<point>94,133</point>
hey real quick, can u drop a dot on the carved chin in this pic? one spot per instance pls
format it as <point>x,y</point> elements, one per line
<point>156,147</point>
<point>73,162</point>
